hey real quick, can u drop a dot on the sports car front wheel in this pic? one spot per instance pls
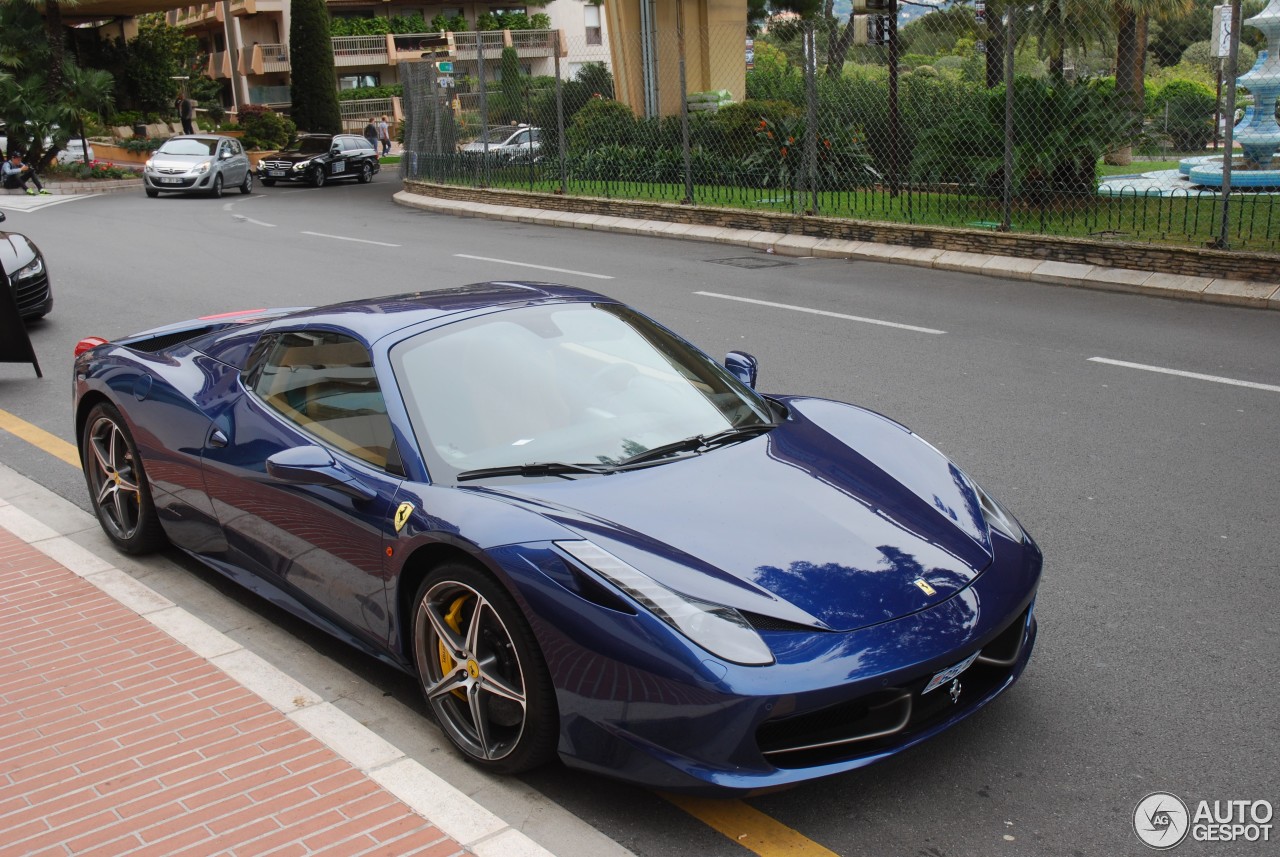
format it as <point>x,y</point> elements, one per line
<point>482,672</point>
<point>117,483</point>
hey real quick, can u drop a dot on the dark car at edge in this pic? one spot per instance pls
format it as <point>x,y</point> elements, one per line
<point>28,274</point>
<point>318,159</point>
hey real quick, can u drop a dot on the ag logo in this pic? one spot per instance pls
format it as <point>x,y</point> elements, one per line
<point>1161,821</point>
<point>402,515</point>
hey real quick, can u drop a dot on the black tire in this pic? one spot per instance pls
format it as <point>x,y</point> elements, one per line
<point>216,191</point>
<point>366,174</point>
<point>152,193</point>
<point>318,177</point>
<point>246,186</point>
<point>268,182</point>
<point>481,671</point>
<point>117,480</point>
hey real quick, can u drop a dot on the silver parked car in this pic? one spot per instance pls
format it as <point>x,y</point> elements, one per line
<point>201,163</point>
<point>507,144</point>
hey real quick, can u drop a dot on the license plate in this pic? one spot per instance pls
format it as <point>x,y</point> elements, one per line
<point>338,166</point>
<point>949,674</point>
<point>276,172</point>
<point>165,180</point>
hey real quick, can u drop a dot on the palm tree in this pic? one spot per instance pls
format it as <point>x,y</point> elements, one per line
<point>1062,25</point>
<point>1130,18</point>
<point>90,93</point>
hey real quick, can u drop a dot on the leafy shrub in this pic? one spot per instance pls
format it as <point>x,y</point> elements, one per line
<point>361,93</point>
<point>94,171</point>
<point>600,123</point>
<point>264,128</point>
<point>448,24</point>
<point>1184,110</point>
<point>731,130</point>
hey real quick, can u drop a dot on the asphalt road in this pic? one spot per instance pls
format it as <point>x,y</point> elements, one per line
<point>1153,495</point>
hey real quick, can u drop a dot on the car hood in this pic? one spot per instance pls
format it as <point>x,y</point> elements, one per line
<point>828,520</point>
<point>16,250</point>
<point>295,157</point>
<point>178,162</point>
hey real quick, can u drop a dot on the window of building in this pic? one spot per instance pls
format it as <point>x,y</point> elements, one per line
<point>591,18</point>
<point>356,81</point>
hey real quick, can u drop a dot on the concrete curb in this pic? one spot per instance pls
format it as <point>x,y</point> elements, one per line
<point>1220,291</point>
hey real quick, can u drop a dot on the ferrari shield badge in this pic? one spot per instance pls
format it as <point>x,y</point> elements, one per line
<point>923,586</point>
<point>402,515</point>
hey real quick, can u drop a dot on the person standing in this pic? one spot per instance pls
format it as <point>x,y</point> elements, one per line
<point>384,135</point>
<point>17,174</point>
<point>371,134</point>
<point>186,110</point>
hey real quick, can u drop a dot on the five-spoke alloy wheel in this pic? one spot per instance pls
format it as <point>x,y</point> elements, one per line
<point>481,671</point>
<point>117,482</point>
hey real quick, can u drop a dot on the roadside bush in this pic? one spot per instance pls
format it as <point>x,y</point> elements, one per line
<point>731,131</point>
<point>1183,109</point>
<point>601,123</point>
<point>360,93</point>
<point>264,128</point>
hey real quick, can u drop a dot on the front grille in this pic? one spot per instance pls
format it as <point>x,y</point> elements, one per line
<point>171,171</point>
<point>31,294</point>
<point>276,165</point>
<point>887,717</point>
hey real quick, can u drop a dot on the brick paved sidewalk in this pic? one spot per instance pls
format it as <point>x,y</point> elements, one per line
<point>117,739</point>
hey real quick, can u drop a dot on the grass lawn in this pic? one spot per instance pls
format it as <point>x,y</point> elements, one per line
<point>1136,168</point>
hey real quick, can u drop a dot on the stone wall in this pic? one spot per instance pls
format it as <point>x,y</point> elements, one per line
<point>1186,261</point>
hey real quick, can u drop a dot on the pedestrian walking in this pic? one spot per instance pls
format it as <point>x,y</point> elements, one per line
<point>17,174</point>
<point>384,135</point>
<point>371,134</point>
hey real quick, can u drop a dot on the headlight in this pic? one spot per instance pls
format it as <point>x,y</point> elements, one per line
<point>147,165</point>
<point>720,630</point>
<point>996,516</point>
<point>302,165</point>
<point>33,268</point>
<point>203,168</point>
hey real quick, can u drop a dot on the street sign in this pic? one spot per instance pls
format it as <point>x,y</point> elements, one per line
<point>444,66</point>
<point>444,80</point>
<point>1220,44</point>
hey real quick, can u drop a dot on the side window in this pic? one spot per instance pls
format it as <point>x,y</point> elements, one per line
<point>324,383</point>
<point>235,147</point>
<point>350,144</point>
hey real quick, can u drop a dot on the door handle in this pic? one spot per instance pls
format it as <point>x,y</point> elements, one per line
<point>217,439</point>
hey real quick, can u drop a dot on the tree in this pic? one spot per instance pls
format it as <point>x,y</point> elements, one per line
<point>314,84</point>
<point>1131,18</point>
<point>90,93</point>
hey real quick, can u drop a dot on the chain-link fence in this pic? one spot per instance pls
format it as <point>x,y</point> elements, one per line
<point>922,128</point>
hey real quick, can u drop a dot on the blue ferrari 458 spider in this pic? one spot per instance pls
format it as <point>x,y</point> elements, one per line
<point>583,535</point>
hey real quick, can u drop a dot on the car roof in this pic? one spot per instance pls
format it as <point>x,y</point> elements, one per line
<point>371,319</point>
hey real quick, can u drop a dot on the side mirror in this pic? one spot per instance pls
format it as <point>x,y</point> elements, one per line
<point>313,465</point>
<point>742,366</point>
<point>1,217</point>
<point>335,150</point>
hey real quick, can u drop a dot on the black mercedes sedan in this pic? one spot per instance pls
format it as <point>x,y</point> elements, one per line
<point>321,158</point>
<point>28,275</point>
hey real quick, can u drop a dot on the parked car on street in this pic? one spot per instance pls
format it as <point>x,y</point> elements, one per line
<point>507,143</point>
<point>321,158</point>
<point>74,152</point>
<point>579,532</point>
<point>198,163</point>
<point>28,274</point>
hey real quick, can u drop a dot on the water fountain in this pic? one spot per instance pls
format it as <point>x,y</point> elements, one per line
<point>1258,134</point>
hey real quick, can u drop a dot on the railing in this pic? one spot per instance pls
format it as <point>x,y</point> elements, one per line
<point>269,95</point>
<point>360,50</point>
<point>219,65</point>
<point>274,57</point>
<point>537,43</point>
<point>466,44</point>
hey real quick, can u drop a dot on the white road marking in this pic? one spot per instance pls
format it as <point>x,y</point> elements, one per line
<point>1253,385</point>
<point>251,220</point>
<point>345,238</point>
<point>880,322</point>
<point>530,265</point>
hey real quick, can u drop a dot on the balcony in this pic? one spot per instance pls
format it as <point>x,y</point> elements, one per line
<point>263,59</point>
<point>360,50</point>
<point>241,8</point>
<point>272,95</point>
<point>219,65</point>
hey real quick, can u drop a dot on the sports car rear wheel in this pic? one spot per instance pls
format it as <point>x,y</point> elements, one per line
<point>481,671</point>
<point>117,483</point>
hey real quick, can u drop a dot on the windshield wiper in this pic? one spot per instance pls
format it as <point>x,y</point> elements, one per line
<point>697,443</point>
<point>539,468</point>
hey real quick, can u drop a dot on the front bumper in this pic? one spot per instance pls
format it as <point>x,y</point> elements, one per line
<point>640,703</point>
<point>179,182</point>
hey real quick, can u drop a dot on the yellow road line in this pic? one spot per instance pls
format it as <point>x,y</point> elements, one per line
<point>749,827</point>
<point>39,438</point>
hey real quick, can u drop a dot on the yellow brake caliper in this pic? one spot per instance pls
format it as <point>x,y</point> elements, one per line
<point>454,620</point>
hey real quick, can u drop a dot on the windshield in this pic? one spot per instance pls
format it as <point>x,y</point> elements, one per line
<point>578,383</point>
<point>497,134</point>
<point>188,146</point>
<point>309,146</point>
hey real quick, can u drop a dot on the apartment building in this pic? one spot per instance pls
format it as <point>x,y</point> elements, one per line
<point>248,43</point>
